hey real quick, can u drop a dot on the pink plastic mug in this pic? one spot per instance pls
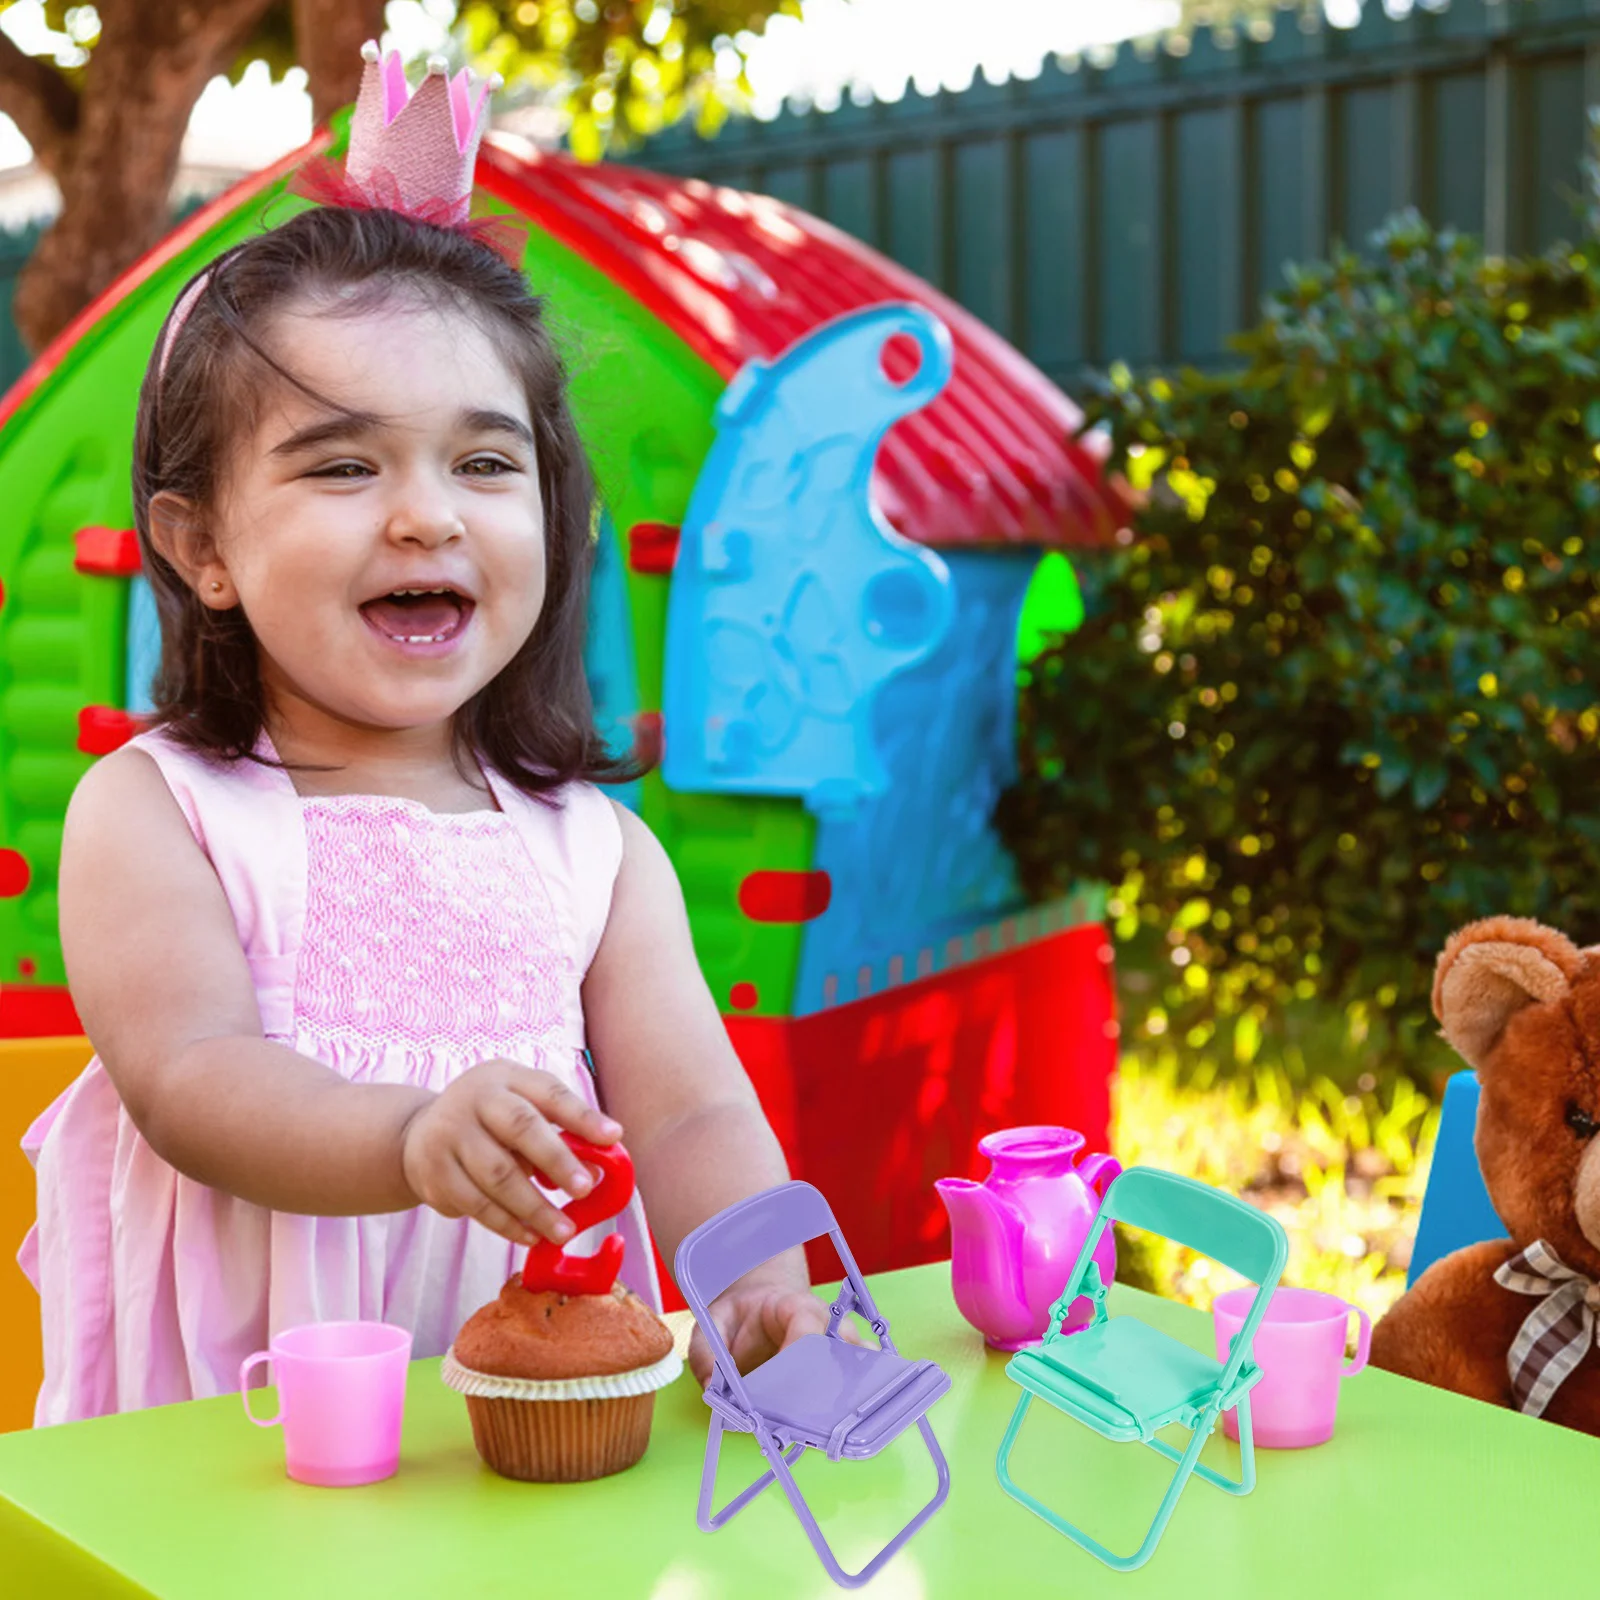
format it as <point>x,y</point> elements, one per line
<point>341,1393</point>
<point>1299,1347</point>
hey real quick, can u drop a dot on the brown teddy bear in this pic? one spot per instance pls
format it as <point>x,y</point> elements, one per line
<point>1513,1321</point>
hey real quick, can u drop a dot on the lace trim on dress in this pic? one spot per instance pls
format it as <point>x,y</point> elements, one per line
<point>400,898</point>
<point>367,1058</point>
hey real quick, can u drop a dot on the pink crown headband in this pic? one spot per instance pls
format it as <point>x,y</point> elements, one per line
<point>409,152</point>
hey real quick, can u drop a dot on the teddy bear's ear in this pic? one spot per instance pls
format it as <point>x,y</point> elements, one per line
<point>1490,970</point>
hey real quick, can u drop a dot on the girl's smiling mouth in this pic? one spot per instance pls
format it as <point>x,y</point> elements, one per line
<point>419,620</point>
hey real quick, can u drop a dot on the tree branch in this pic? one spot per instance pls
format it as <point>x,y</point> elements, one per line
<point>328,35</point>
<point>153,59</point>
<point>41,103</point>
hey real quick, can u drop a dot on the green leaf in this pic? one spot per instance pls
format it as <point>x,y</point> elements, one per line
<point>1428,783</point>
<point>1383,659</point>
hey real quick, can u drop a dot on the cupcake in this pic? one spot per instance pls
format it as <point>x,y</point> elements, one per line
<point>561,1388</point>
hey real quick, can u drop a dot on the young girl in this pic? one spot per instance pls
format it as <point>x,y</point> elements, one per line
<point>342,927</point>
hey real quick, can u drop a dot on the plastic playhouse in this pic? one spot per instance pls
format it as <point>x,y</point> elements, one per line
<point>834,690</point>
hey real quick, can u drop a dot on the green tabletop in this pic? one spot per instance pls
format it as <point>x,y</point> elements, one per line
<point>1420,1493</point>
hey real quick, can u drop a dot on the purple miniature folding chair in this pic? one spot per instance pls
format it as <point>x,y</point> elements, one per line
<point>821,1393</point>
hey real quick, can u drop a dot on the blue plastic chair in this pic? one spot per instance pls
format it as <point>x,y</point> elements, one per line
<point>1456,1209</point>
<point>819,1393</point>
<point>1126,1379</point>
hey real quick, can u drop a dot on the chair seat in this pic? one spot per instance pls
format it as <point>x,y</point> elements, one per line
<point>843,1398</point>
<point>1121,1377</point>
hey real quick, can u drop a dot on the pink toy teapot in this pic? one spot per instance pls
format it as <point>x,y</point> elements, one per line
<point>1015,1236</point>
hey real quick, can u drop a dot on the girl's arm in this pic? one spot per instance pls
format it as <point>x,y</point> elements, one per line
<point>691,1120</point>
<point>164,992</point>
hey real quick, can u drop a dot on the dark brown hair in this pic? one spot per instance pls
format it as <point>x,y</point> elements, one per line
<point>534,723</point>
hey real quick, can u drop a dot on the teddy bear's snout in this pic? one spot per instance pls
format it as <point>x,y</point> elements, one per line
<point>1586,1194</point>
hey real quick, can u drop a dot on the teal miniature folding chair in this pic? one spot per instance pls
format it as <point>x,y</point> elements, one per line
<point>1126,1379</point>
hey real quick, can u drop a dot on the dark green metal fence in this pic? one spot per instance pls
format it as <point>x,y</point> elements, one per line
<point>15,248</point>
<point>1139,212</point>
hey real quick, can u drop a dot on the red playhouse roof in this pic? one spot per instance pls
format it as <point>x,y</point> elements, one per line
<point>993,460</point>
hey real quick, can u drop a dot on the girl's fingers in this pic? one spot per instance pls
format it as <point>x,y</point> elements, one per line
<point>501,1184</point>
<point>701,1361</point>
<point>564,1107</point>
<point>502,1223</point>
<point>527,1138</point>
<point>787,1317</point>
<point>517,1124</point>
<point>454,1194</point>
<point>745,1335</point>
<point>757,1324</point>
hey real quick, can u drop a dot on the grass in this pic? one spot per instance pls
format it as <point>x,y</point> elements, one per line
<point>1342,1169</point>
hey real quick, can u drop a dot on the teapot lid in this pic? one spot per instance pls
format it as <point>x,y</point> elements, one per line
<point>1041,1141</point>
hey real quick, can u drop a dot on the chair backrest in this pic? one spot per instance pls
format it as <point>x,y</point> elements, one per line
<point>721,1250</point>
<point>1216,1224</point>
<point>725,1247</point>
<point>1456,1209</point>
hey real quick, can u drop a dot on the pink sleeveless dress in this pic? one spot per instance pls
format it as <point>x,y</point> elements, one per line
<point>395,945</point>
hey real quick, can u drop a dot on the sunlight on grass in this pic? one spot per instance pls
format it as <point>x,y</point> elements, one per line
<point>1344,1172</point>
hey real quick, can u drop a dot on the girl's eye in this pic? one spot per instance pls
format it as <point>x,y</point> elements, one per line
<point>342,469</point>
<point>1580,1121</point>
<point>487,466</point>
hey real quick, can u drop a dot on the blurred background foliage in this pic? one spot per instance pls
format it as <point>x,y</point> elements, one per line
<point>621,70</point>
<point>1343,1170</point>
<point>1231,20</point>
<point>104,95</point>
<point>1339,695</point>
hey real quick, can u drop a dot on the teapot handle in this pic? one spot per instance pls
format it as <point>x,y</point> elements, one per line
<point>1099,1172</point>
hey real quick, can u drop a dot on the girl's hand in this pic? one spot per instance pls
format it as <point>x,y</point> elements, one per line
<point>469,1150</point>
<point>757,1323</point>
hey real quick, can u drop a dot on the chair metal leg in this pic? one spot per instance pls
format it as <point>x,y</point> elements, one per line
<point>1186,1465</point>
<point>1246,1481</point>
<point>707,1519</point>
<point>1247,1449</point>
<point>778,1471</point>
<point>854,1580</point>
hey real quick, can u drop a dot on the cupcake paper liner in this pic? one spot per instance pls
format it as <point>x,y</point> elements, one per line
<point>561,1441</point>
<point>612,1386</point>
<point>561,1430</point>
<point>681,1326</point>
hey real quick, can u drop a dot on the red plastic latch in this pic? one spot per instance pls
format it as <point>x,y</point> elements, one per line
<point>15,874</point>
<point>29,1012</point>
<point>648,738</point>
<point>653,546</point>
<point>548,1266</point>
<point>785,896</point>
<point>109,552</point>
<point>102,729</point>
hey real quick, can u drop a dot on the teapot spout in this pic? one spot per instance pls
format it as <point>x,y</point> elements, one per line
<point>986,1240</point>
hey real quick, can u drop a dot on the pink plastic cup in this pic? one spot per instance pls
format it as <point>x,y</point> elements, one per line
<point>341,1393</point>
<point>1299,1347</point>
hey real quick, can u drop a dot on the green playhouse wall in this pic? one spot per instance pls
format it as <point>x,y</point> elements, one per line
<point>643,403</point>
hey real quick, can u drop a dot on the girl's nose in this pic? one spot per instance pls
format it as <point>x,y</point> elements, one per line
<point>422,515</point>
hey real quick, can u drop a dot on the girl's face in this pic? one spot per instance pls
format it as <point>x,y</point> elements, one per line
<point>389,558</point>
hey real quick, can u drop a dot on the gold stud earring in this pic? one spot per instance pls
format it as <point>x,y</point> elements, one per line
<point>215,586</point>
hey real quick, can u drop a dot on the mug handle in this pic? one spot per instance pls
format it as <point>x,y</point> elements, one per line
<point>244,1392</point>
<point>1363,1345</point>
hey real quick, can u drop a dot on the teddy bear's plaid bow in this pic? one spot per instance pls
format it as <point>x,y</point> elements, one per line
<point>1557,1333</point>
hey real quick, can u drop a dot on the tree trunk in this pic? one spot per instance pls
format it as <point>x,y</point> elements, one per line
<point>328,36</point>
<point>116,171</point>
<point>40,101</point>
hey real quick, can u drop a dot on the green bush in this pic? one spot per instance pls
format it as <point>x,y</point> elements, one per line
<point>1342,692</point>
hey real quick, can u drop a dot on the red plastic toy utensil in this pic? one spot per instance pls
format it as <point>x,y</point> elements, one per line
<point>548,1266</point>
